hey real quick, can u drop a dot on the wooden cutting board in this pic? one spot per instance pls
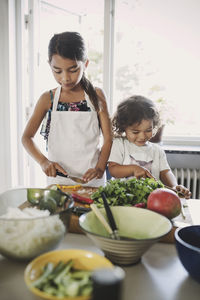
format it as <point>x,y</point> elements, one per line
<point>82,191</point>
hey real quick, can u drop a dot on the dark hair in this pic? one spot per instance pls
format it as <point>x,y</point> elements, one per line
<point>71,45</point>
<point>132,111</point>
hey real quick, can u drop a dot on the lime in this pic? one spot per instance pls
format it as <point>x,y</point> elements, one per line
<point>48,203</point>
<point>34,195</point>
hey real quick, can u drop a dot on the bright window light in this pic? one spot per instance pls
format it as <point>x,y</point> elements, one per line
<point>157,54</point>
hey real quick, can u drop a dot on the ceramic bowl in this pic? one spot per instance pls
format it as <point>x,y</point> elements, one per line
<point>24,238</point>
<point>84,260</point>
<point>187,241</point>
<point>142,226</point>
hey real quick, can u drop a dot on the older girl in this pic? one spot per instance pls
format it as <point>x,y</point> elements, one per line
<point>74,113</point>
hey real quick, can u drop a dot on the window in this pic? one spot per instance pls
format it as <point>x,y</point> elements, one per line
<point>156,52</point>
<point>86,17</point>
<point>157,46</point>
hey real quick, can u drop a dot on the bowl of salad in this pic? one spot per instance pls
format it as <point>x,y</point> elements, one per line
<point>64,274</point>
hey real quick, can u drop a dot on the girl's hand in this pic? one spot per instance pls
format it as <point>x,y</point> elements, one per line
<point>50,167</point>
<point>92,173</point>
<point>183,190</point>
<point>139,172</point>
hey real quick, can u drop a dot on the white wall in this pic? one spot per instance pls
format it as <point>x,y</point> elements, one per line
<point>11,166</point>
<point>5,164</point>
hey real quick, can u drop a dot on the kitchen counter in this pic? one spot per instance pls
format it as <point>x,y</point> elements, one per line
<point>159,275</point>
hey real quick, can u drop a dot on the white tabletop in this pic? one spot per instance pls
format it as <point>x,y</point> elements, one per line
<point>159,275</point>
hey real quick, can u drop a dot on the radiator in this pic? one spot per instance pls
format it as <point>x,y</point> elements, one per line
<point>189,178</point>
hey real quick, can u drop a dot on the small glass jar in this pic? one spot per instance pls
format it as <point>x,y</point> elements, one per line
<point>108,284</point>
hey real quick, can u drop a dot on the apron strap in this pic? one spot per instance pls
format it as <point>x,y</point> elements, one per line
<point>89,102</point>
<point>56,98</point>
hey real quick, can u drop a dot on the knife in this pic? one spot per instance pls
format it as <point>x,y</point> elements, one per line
<point>180,194</point>
<point>74,178</point>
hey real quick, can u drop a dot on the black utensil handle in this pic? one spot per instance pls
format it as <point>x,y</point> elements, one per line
<point>80,209</point>
<point>109,213</point>
<point>61,174</point>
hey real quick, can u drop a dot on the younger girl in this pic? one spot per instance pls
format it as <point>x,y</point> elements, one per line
<point>74,113</point>
<point>132,154</point>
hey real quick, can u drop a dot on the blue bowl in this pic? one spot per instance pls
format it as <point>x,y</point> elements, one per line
<point>187,241</point>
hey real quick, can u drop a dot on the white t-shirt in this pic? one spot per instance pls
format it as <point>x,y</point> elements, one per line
<point>151,156</point>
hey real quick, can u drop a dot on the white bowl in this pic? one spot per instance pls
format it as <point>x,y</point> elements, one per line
<point>145,227</point>
<point>23,238</point>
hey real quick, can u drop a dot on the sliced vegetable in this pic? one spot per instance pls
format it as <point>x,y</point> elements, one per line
<point>141,205</point>
<point>63,272</point>
<point>69,187</point>
<point>63,280</point>
<point>82,199</point>
<point>48,268</point>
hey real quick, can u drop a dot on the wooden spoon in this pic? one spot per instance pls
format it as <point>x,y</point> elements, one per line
<point>101,218</point>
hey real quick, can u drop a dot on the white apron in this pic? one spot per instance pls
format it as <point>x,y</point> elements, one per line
<point>73,142</point>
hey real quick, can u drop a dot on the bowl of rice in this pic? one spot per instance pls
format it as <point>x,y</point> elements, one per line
<point>28,232</point>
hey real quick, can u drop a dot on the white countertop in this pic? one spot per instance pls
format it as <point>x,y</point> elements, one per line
<point>159,275</point>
